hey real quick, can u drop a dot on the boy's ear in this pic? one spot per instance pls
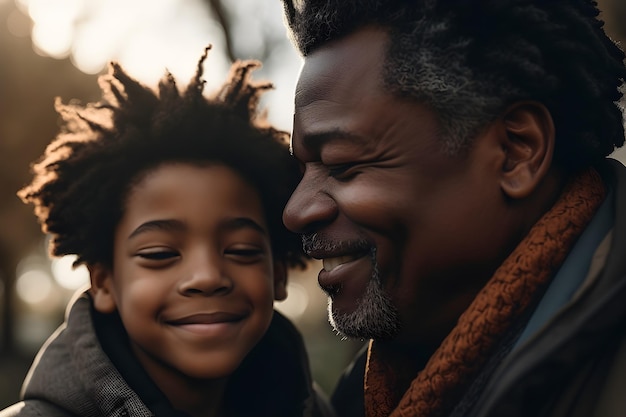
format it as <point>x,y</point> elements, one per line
<point>528,143</point>
<point>280,280</point>
<point>102,288</point>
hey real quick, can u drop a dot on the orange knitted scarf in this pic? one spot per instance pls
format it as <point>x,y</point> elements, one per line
<point>440,385</point>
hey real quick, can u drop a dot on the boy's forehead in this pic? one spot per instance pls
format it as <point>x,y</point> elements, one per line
<point>215,185</point>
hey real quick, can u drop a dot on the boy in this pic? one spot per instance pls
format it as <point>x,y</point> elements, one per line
<point>173,201</point>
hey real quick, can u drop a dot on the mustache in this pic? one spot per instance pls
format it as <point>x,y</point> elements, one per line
<point>317,242</point>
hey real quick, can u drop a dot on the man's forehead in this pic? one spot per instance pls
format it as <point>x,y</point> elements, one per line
<point>345,64</point>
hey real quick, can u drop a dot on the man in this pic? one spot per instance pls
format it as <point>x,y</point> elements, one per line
<point>457,189</point>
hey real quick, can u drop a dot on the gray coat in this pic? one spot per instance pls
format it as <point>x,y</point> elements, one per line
<point>73,376</point>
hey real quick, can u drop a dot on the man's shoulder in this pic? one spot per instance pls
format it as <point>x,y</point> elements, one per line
<point>348,397</point>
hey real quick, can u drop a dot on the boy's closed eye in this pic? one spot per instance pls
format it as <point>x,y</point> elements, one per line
<point>245,253</point>
<point>161,254</point>
<point>240,254</point>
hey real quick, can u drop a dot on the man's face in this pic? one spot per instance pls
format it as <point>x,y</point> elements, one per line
<point>407,233</point>
<point>193,275</point>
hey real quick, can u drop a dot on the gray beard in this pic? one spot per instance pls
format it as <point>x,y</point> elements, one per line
<point>375,316</point>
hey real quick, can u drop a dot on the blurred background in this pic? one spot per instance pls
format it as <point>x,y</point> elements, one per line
<point>51,48</point>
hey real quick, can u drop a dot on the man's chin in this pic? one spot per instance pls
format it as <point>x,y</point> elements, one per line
<point>342,326</point>
<point>368,321</point>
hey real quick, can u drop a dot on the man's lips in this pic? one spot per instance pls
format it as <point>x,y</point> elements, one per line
<point>346,281</point>
<point>321,246</point>
<point>331,263</point>
<point>347,263</point>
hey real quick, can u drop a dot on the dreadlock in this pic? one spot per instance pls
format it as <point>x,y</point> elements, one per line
<point>81,182</point>
<point>469,60</point>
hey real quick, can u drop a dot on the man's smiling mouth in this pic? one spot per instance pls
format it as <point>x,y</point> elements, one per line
<point>331,263</point>
<point>334,253</point>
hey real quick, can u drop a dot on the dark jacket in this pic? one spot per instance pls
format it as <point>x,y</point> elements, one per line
<point>73,376</point>
<point>574,363</point>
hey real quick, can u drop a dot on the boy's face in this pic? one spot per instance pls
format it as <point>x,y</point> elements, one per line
<point>193,277</point>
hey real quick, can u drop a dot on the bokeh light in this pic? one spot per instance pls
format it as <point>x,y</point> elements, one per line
<point>145,36</point>
<point>53,28</point>
<point>296,303</point>
<point>150,37</point>
<point>57,46</point>
<point>18,24</point>
<point>33,286</point>
<point>67,276</point>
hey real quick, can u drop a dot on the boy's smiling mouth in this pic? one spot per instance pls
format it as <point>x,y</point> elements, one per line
<point>208,324</point>
<point>207,318</point>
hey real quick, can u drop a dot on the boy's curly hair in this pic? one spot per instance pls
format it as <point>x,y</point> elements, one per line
<point>81,182</point>
<point>468,60</point>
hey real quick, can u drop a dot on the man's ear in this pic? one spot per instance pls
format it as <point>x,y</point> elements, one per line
<point>280,280</point>
<point>102,288</point>
<point>528,144</point>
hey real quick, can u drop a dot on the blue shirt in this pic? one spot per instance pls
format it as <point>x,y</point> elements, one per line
<point>573,271</point>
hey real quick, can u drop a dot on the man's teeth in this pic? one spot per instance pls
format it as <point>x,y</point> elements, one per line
<point>331,263</point>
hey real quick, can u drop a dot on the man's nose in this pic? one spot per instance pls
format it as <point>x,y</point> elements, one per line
<point>205,276</point>
<point>311,205</point>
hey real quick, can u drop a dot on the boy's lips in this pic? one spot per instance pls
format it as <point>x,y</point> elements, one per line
<point>207,318</point>
<point>217,324</point>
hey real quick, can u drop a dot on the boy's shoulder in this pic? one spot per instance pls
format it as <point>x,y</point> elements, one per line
<point>34,408</point>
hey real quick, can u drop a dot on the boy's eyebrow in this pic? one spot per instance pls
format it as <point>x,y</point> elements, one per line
<point>234,223</point>
<point>243,223</point>
<point>169,224</point>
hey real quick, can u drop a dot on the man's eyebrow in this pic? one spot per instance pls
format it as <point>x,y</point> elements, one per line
<point>318,138</point>
<point>165,224</point>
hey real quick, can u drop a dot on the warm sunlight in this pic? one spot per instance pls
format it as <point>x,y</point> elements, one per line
<point>145,36</point>
<point>53,25</point>
<point>149,36</point>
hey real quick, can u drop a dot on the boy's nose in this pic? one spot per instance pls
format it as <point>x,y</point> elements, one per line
<point>205,277</point>
<point>310,205</point>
